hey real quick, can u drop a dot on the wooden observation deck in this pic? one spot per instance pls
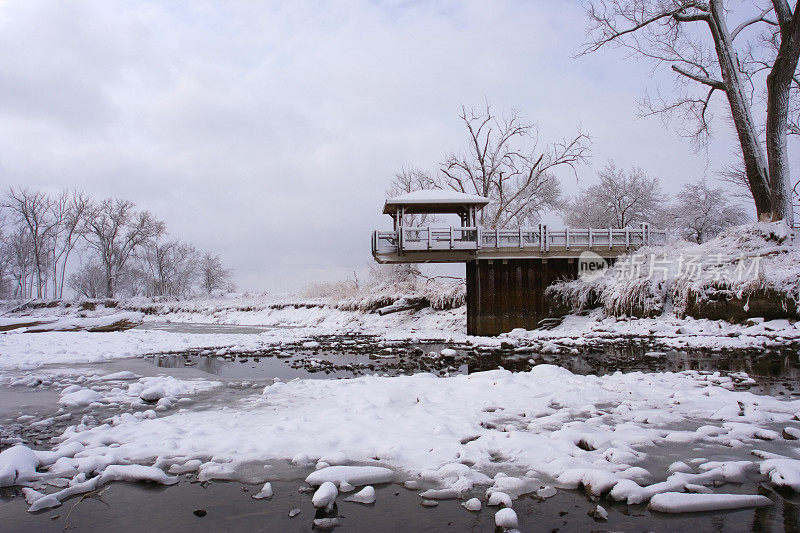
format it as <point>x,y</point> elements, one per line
<point>468,242</point>
<point>507,270</point>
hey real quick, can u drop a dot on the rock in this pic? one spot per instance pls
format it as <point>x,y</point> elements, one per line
<point>152,394</point>
<point>791,433</point>
<point>200,512</point>
<point>598,513</point>
<point>506,519</point>
<point>546,492</point>
<point>325,523</point>
<point>294,512</point>
<point>473,504</point>
<point>429,503</point>
<point>411,484</point>
<point>325,496</point>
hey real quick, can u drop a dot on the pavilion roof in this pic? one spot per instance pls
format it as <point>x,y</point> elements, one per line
<point>434,201</point>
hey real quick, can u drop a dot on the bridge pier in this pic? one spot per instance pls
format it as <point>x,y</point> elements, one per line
<point>503,294</point>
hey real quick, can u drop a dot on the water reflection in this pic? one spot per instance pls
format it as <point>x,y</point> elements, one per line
<point>775,372</point>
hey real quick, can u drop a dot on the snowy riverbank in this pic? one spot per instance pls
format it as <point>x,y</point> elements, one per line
<point>748,271</point>
<point>295,320</point>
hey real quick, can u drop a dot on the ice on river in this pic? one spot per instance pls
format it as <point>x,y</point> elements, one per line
<point>546,427</point>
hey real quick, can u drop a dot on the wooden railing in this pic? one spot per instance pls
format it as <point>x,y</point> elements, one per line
<point>418,239</point>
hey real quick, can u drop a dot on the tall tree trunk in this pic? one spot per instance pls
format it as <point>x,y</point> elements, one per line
<point>778,84</point>
<point>754,163</point>
<point>109,283</point>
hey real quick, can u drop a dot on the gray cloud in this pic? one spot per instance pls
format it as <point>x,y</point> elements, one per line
<point>267,133</point>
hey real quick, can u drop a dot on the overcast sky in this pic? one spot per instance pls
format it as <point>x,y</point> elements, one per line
<point>267,131</point>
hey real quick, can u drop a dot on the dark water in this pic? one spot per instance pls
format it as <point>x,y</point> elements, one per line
<point>129,507</point>
<point>181,327</point>
<point>776,372</point>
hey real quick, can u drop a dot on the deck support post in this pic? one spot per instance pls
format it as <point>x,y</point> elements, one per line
<point>508,294</point>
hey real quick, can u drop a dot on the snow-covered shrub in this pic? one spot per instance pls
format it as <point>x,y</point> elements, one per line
<point>446,294</point>
<point>331,289</point>
<point>753,261</point>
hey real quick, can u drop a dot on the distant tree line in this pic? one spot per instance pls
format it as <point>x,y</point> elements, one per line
<point>96,248</point>
<point>624,198</point>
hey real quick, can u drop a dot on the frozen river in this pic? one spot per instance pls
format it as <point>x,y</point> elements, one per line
<point>32,408</point>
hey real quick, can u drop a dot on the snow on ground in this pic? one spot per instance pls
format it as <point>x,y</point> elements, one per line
<point>667,332</point>
<point>328,320</point>
<point>25,350</point>
<point>511,433</point>
<point>70,323</point>
<point>29,350</point>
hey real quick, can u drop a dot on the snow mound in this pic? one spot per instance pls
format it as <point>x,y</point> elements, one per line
<point>325,496</point>
<point>365,495</point>
<point>678,502</point>
<point>740,262</point>
<point>506,519</point>
<point>17,464</point>
<point>353,475</point>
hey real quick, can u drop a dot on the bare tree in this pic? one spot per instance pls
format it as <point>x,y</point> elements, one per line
<point>18,249</point>
<point>32,210</point>
<point>666,32</point>
<point>115,230</point>
<point>171,267</point>
<point>89,281</point>
<point>393,274</point>
<point>735,176</point>
<point>213,274</point>
<point>5,261</point>
<point>700,212</point>
<point>410,180</point>
<point>503,163</point>
<point>619,200</point>
<point>69,212</point>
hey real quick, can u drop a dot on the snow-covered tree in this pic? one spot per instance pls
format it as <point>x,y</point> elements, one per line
<point>694,38</point>
<point>700,212</point>
<point>620,199</point>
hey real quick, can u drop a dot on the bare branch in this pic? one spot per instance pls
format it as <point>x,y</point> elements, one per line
<point>762,17</point>
<point>716,84</point>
